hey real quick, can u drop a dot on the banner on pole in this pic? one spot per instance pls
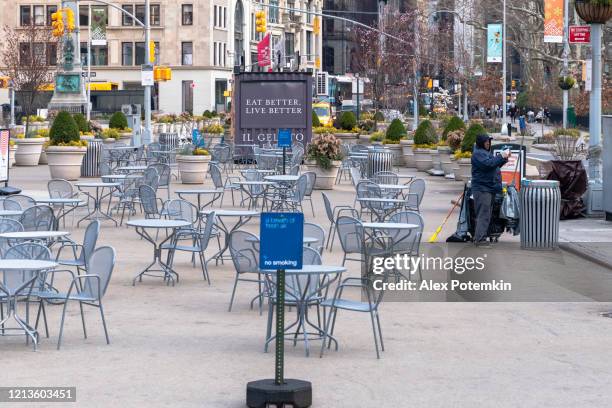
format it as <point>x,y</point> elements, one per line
<point>4,154</point>
<point>588,83</point>
<point>99,20</point>
<point>553,21</point>
<point>263,51</point>
<point>494,43</point>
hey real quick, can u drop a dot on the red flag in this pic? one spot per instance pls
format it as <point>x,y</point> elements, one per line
<point>263,51</point>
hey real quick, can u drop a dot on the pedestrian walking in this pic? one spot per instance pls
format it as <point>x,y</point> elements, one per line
<point>486,182</point>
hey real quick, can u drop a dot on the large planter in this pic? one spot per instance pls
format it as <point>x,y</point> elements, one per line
<point>12,150</point>
<point>326,178</point>
<point>125,137</point>
<point>422,159</point>
<point>445,159</point>
<point>435,159</point>
<point>364,139</point>
<point>65,161</point>
<point>465,170</point>
<point>28,151</point>
<point>593,13</point>
<point>193,169</point>
<point>396,149</point>
<point>349,138</point>
<point>213,138</point>
<point>406,145</point>
<point>43,154</point>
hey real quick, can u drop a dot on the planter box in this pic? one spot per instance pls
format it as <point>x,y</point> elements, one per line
<point>465,170</point>
<point>364,139</point>
<point>125,137</point>
<point>28,151</point>
<point>12,150</point>
<point>435,159</point>
<point>422,159</point>
<point>396,149</point>
<point>407,152</point>
<point>43,154</point>
<point>65,161</point>
<point>350,138</point>
<point>193,169</point>
<point>326,178</point>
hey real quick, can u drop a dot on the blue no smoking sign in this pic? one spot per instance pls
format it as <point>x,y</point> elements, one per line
<point>281,240</point>
<point>284,137</point>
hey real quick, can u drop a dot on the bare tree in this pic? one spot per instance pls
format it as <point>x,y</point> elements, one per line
<point>25,58</point>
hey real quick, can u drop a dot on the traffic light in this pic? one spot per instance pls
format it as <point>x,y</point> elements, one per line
<point>318,62</point>
<point>513,84</point>
<point>57,22</point>
<point>69,19</point>
<point>316,25</point>
<point>4,82</point>
<point>162,74</point>
<point>260,21</point>
<point>151,51</point>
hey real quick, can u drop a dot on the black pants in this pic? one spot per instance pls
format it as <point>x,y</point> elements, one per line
<point>483,204</point>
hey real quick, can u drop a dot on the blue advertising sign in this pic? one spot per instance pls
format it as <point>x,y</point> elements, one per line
<point>281,240</point>
<point>284,137</point>
<point>196,138</point>
<point>494,43</point>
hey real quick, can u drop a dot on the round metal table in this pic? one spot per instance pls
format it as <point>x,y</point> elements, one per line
<point>164,271</point>
<point>97,198</point>
<point>199,193</point>
<point>243,217</point>
<point>62,203</point>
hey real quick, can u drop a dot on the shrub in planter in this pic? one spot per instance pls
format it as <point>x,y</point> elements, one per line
<point>454,123</point>
<point>379,117</point>
<point>324,158</point>
<point>347,121</point>
<point>315,119</point>
<point>109,134</point>
<point>425,134</point>
<point>470,137</point>
<point>566,82</point>
<point>321,130</point>
<point>65,150</point>
<point>454,139</point>
<point>82,123</point>
<point>367,125</point>
<point>377,137</point>
<point>118,121</point>
<point>396,130</point>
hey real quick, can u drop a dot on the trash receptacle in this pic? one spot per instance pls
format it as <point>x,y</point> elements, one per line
<point>91,161</point>
<point>540,210</point>
<point>168,141</point>
<point>379,160</point>
<point>571,117</point>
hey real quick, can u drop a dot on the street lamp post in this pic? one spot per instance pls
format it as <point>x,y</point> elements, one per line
<point>504,62</point>
<point>565,59</point>
<point>146,139</point>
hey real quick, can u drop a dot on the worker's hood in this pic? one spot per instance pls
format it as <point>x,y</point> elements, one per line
<point>482,139</point>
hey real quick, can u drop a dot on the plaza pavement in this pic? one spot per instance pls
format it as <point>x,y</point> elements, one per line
<point>180,347</point>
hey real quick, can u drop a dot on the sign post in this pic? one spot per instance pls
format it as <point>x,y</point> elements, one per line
<point>580,34</point>
<point>284,141</point>
<point>281,247</point>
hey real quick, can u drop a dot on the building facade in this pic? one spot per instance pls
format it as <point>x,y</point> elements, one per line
<point>201,41</point>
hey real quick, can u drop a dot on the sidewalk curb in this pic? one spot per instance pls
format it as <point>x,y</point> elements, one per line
<point>585,253</point>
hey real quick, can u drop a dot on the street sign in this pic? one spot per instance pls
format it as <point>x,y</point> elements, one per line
<point>284,137</point>
<point>580,34</point>
<point>92,74</point>
<point>147,75</point>
<point>281,240</point>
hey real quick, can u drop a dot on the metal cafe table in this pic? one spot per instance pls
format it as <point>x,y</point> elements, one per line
<point>284,184</point>
<point>303,287</point>
<point>164,271</point>
<point>243,217</point>
<point>14,214</point>
<point>97,198</point>
<point>199,193</point>
<point>10,294</point>
<point>382,207</point>
<point>66,206</point>
<point>44,236</point>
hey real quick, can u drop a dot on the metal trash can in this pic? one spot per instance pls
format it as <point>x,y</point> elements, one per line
<point>540,211</point>
<point>379,160</point>
<point>169,141</point>
<point>89,167</point>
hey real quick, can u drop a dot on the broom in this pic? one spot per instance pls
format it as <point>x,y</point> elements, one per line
<point>434,237</point>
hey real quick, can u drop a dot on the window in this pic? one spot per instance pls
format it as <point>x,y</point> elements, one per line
<point>216,17</point>
<point>127,53</point>
<point>25,18</point>
<point>289,44</point>
<point>24,53</point>
<point>140,12</point>
<point>309,16</point>
<point>125,19</point>
<point>309,53</point>
<point>215,51</point>
<point>52,54</point>
<point>291,5</point>
<point>273,16</point>
<point>187,53</point>
<point>155,11</point>
<point>224,17</point>
<point>157,53</point>
<point>140,53</point>
<point>99,54</point>
<point>50,10</point>
<point>224,54</point>
<point>83,16</point>
<point>39,15</point>
<point>187,15</point>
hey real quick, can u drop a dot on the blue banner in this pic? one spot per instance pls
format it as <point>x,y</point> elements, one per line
<point>281,240</point>
<point>494,43</point>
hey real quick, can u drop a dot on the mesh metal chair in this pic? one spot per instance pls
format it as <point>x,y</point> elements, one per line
<point>200,240</point>
<point>315,231</point>
<point>90,289</point>
<point>23,200</point>
<point>129,195</point>
<point>352,237</point>
<point>222,156</point>
<point>81,260</point>
<point>332,214</point>
<point>220,185</point>
<point>105,170</point>
<point>164,172</point>
<point>369,189</point>
<point>8,225</point>
<point>60,188</point>
<point>267,162</point>
<point>255,192</point>
<point>415,195</point>
<point>11,205</point>
<point>38,218</point>
<point>295,170</point>
<point>311,176</point>
<point>151,178</point>
<point>149,201</point>
<point>407,241</point>
<point>244,249</point>
<point>385,177</point>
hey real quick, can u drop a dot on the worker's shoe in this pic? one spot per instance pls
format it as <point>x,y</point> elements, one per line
<point>483,244</point>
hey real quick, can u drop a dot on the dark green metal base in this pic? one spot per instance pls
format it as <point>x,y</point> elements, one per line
<point>297,393</point>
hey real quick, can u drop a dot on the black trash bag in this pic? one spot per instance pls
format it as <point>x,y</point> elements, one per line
<point>463,228</point>
<point>573,182</point>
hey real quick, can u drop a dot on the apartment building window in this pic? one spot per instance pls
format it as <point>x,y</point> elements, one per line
<point>187,53</point>
<point>24,53</point>
<point>50,10</point>
<point>39,15</point>
<point>273,16</point>
<point>309,16</point>
<point>309,52</point>
<point>224,54</point>
<point>291,5</point>
<point>140,12</point>
<point>52,54</point>
<point>289,44</point>
<point>215,51</point>
<point>216,16</point>
<point>140,53</point>
<point>224,17</point>
<point>39,52</point>
<point>25,15</point>
<point>187,13</point>
<point>125,19</point>
<point>155,14</point>
<point>127,53</point>
<point>99,55</point>
<point>83,16</point>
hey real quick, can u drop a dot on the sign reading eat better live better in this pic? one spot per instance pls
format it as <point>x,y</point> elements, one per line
<point>273,105</point>
<point>281,240</point>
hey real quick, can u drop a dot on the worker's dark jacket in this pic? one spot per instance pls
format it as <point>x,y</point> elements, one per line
<point>486,175</point>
